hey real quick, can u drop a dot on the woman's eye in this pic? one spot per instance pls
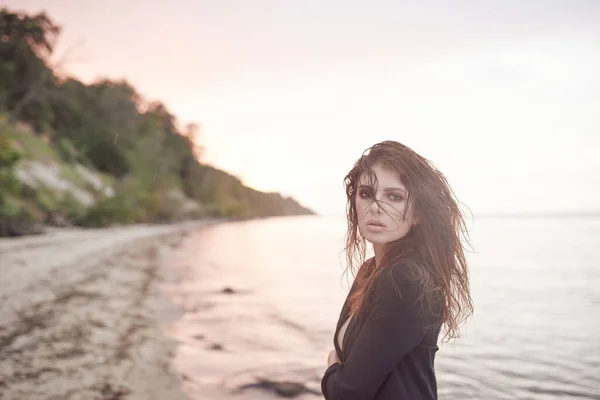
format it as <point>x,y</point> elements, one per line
<point>364,194</point>
<point>396,197</point>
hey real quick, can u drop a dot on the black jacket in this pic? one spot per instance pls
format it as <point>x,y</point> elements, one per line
<point>389,353</point>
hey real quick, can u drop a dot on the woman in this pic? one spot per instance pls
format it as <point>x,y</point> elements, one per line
<point>415,285</point>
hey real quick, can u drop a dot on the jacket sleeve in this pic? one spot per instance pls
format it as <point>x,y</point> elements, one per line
<point>393,327</point>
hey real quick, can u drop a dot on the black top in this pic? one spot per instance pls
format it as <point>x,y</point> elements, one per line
<point>388,354</point>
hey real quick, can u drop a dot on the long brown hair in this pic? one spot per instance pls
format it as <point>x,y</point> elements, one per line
<point>433,246</point>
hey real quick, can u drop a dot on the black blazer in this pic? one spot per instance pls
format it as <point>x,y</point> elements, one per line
<point>389,353</point>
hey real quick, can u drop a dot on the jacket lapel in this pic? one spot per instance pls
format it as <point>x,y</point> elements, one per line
<point>342,318</point>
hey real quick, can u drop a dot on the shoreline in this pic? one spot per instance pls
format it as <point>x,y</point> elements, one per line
<point>83,314</point>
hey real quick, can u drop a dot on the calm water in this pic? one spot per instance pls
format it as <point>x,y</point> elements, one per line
<point>535,283</point>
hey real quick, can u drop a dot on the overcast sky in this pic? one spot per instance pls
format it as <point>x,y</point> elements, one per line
<point>503,96</point>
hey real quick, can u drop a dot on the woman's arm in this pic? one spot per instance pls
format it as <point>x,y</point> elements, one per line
<point>393,327</point>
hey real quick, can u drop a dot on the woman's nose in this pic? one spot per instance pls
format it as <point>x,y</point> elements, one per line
<point>375,208</point>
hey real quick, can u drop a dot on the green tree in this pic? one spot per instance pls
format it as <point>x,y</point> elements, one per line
<point>26,81</point>
<point>9,185</point>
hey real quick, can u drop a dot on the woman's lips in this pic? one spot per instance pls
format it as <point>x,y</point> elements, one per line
<point>375,226</point>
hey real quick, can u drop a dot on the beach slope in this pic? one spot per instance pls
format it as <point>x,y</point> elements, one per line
<point>82,314</point>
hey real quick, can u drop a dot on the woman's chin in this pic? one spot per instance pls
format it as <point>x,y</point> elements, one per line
<point>374,238</point>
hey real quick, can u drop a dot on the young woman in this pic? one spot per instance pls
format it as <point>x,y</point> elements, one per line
<point>415,285</point>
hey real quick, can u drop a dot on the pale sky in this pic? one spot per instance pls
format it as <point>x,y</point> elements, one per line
<point>503,96</point>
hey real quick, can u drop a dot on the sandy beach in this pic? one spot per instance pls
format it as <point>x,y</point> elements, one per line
<point>83,314</point>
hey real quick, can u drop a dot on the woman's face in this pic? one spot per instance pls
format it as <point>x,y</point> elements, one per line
<point>383,221</point>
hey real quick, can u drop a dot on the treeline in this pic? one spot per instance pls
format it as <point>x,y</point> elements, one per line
<point>110,127</point>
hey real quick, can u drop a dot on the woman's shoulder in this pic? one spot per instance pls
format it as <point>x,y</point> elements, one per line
<point>402,286</point>
<point>404,271</point>
<point>399,278</point>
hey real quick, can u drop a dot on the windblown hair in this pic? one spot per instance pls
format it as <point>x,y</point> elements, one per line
<point>433,246</point>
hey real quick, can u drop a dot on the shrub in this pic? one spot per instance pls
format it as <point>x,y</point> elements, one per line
<point>9,156</point>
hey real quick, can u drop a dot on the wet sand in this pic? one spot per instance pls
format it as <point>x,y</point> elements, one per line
<point>234,340</point>
<point>83,314</point>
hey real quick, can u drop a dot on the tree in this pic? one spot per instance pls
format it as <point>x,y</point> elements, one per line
<point>26,42</point>
<point>8,159</point>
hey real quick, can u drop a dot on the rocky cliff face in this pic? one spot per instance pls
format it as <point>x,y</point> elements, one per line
<point>36,174</point>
